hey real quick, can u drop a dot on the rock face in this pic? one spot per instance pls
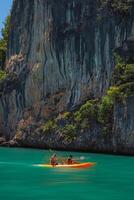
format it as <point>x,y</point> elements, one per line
<point>123,129</point>
<point>62,52</point>
<point>119,141</point>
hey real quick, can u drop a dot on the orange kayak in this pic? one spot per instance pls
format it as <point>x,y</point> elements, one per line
<point>78,165</point>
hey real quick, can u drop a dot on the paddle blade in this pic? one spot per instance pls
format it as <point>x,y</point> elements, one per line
<point>82,158</point>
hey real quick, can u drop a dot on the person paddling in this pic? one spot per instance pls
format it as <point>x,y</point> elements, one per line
<point>70,160</point>
<point>53,160</point>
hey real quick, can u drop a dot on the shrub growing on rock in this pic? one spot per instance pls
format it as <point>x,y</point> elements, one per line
<point>105,110</point>
<point>49,126</point>
<point>68,132</point>
<point>3,75</point>
<point>128,75</point>
<point>69,129</point>
<point>120,6</point>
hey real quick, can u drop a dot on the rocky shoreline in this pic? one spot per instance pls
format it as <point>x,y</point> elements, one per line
<point>14,144</point>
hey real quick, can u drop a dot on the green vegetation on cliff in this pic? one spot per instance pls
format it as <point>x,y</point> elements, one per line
<point>49,126</point>
<point>120,6</point>
<point>123,72</point>
<point>4,41</point>
<point>123,77</point>
<point>96,111</point>
<point>3,75</point>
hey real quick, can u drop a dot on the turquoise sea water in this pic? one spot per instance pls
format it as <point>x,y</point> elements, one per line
<point>112,178</point>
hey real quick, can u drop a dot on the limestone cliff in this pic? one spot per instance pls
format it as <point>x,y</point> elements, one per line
<point>62,54</point>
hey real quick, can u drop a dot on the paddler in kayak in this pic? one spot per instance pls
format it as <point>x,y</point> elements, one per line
<point>70,160</point>
<point>53,160</point>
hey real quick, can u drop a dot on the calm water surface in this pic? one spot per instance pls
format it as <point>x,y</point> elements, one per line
<point>111,179</point>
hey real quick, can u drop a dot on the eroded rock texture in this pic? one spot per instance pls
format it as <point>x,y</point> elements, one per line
<point>62,52</point>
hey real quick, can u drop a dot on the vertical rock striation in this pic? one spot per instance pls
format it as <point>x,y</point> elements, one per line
<point>123,129</point>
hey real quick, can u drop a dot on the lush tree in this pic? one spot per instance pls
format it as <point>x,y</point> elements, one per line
<point>4,41</point>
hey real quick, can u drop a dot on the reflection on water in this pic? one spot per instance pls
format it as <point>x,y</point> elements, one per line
<point>111,179</point>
